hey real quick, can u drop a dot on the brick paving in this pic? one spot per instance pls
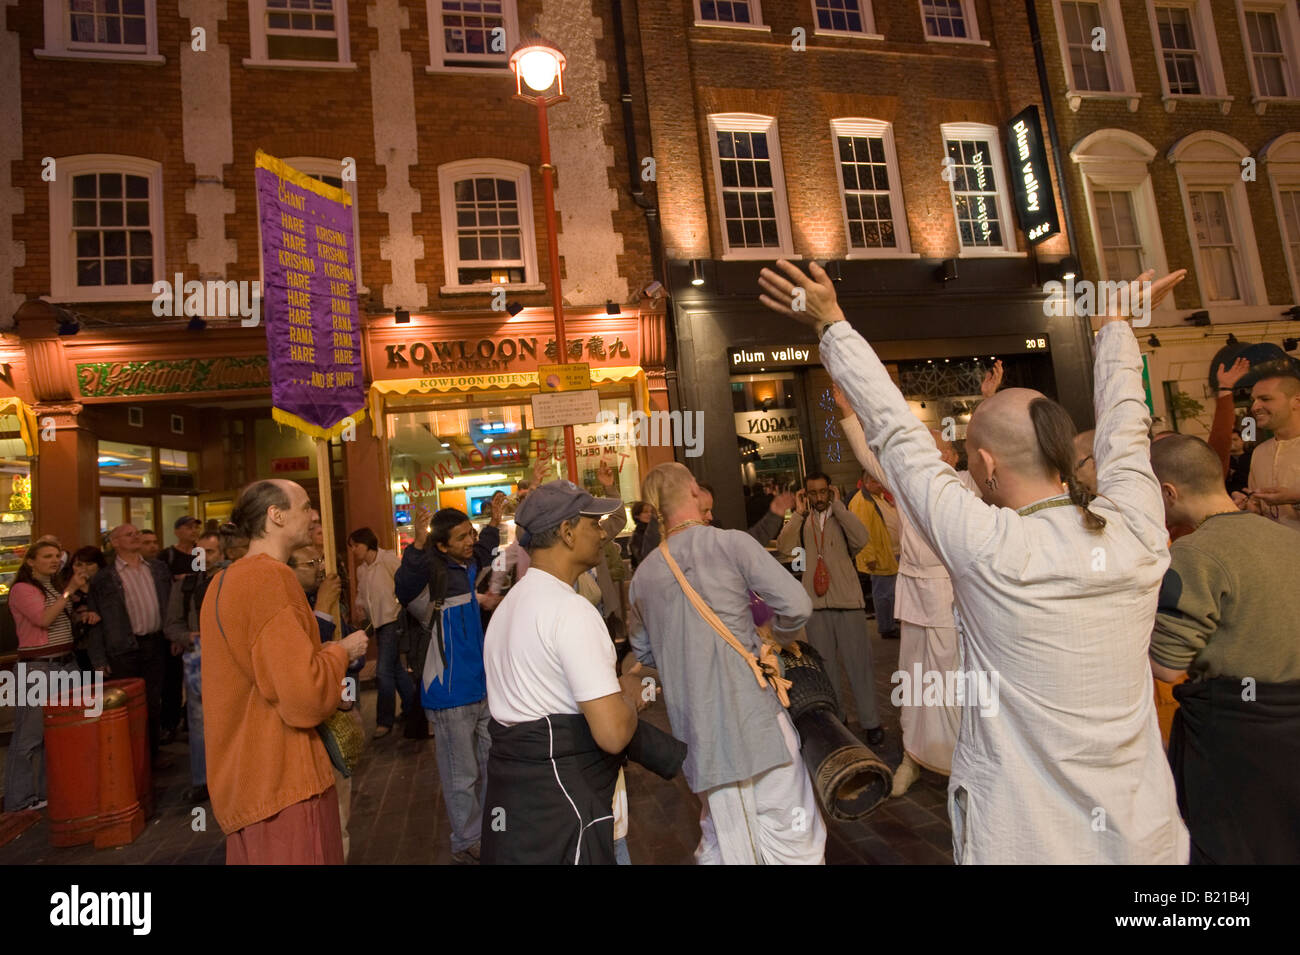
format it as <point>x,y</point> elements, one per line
<point>398,815</point>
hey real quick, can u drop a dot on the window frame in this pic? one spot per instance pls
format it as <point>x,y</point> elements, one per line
<point>859,126</point>
<point>438,56</point>
<point>868,31</point>
<point>63,256</point>
<point>1289,32</point>
<point>1282,157</point>
<point>1120,69</point>
<point>257,34</point>
<point>1214,86</point>
<point>448,173</point>
<point>59,46</point>
<point>1116,160</point>
<point>968,16</point>
<point>755,9</point>
<point>1211,161</point>
<point>320,166</point>
<point>1006,212</point>
<point>752,123</point>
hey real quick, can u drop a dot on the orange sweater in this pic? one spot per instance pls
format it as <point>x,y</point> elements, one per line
<point>266,687</point>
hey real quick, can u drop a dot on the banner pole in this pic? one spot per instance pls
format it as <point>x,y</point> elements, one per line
<point>327,524</point>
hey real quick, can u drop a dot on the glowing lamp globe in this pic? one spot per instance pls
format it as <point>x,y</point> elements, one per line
<point>538,65</point>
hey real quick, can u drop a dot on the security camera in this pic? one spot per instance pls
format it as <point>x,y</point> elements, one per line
<point>654,290</point>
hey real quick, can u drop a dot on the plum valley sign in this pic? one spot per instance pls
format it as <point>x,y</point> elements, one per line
<point>1030,181</point>
<point>121,379</point>
<point>758,358</point>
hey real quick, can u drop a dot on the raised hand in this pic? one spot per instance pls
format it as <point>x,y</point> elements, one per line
<point>808,299</point>
<point>497,507</point>
<point>540,468</point>
<point>992,380</point>
<point>605,474</point>
<point>1228,377</point>
<point>801,502</point>
<point>783,502</point>
<point>841,401</point>
<point>1160,289</point>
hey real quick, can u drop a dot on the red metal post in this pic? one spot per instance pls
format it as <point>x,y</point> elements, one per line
<point>557,293</point>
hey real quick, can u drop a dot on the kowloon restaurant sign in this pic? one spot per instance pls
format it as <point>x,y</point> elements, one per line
<point>504,354</point>
<point>120,379</point>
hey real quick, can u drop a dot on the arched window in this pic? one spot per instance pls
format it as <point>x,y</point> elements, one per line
<point>487,224</point>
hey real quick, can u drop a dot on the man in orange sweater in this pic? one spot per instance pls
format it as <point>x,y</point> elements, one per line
<point>268,682</point>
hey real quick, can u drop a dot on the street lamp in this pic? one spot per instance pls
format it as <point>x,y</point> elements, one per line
<point>540,66</point>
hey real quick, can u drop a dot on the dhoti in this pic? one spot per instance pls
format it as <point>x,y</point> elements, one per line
<point>770,819</point>
<point>930,731</point>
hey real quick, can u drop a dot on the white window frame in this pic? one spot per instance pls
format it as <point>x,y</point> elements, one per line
<point>63,254</point>
<point>868,31</point>
<point>318,166</point>
<point>1214,87</point>
<point>58,44</point>
<point>520,174</point>
<point>258,43</point>
<point>755,9</point>
<point>1289,28</point>
<point>1116,160</point>
<point>1211,161</point>
<point>1006,213</point>
<point>1282,157</point>
<point>752,123</point>
<point>971,20</point>
<point>884,130</point>
<point>438,56</point>
<point>1118,64</point>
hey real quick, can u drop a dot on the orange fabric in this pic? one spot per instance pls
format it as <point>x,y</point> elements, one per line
<point>267,685</point>
<point>306,833</point>
<point>1166,705</point>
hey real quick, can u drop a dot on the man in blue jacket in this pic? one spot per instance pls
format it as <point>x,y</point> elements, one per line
<point>453,687</point>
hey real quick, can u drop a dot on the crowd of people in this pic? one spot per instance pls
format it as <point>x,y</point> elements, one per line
<point>1135,610</point>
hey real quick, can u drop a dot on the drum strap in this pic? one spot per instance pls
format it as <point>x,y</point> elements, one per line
<point>766,669</point>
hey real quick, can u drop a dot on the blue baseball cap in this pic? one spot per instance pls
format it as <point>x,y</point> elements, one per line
<point>551,504</point>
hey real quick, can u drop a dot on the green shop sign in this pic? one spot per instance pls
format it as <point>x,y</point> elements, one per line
<point>120,379</point>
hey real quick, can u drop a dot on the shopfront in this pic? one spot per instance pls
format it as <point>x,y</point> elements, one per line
<point>454,407</point>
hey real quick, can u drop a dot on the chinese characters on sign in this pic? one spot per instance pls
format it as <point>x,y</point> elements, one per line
<point>312,325</point>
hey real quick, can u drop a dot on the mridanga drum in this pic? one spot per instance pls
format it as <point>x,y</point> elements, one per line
<point>849,778</point>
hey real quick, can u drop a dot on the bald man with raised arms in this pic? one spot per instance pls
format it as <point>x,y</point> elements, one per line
<point>1054,599</point>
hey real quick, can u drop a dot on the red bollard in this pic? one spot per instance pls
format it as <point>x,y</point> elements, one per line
<point>120,816</point>
<point>71,773</point>
<point>138,717</point>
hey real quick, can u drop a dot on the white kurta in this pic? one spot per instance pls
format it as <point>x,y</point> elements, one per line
<point>923,606</point>
<point>1069,768</point>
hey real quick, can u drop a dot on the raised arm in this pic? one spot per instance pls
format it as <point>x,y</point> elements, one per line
<point>1122,446</point>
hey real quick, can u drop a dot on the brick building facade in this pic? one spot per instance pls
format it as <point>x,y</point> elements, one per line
<point>827,92</point>
<point>1180,122</point>
<point>138,123</point>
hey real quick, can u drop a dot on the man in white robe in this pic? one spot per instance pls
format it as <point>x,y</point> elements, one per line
<point>1064,764</point>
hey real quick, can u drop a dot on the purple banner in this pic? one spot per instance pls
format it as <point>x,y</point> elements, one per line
<point>309,300</point>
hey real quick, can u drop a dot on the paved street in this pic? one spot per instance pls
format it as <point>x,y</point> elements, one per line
<point>398,817</point>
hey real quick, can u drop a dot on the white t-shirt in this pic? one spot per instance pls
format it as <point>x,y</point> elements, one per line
<point>546,650</point>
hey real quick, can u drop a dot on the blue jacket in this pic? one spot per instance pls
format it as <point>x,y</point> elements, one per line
<point>461,680</point>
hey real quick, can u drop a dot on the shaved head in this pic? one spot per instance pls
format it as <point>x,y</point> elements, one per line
<point>1189,464</point>
<point>1001,425</point>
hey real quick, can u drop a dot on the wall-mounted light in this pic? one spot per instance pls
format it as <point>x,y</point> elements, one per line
<point>697,272</point>
<point>1069,268</point>
<point>1293,313</point>
<point>612,308</point>
<point>1232,340</point>
<point>401,317</point>
<point>1199,319</point>
<point>834,270</point>
<point>196,324</point>
<point>1290,344</point>
<point>947,271</point>
<point>513,308</point>
<point>1153,341</point>
<point>69,326</point>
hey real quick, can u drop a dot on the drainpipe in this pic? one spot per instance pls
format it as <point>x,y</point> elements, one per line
<point>646,204</point>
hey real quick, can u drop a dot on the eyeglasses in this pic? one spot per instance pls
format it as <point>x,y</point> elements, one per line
<point>314,562</point>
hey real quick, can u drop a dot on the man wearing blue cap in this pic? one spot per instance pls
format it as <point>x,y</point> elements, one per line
<point>561,718</point>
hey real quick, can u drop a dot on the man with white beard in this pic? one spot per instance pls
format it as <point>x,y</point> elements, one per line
<point>1054,598</point>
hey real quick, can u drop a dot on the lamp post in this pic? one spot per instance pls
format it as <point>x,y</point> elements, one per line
<point>540,66</point>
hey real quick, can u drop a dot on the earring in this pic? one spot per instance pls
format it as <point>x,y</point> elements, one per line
<point>991,484</point>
